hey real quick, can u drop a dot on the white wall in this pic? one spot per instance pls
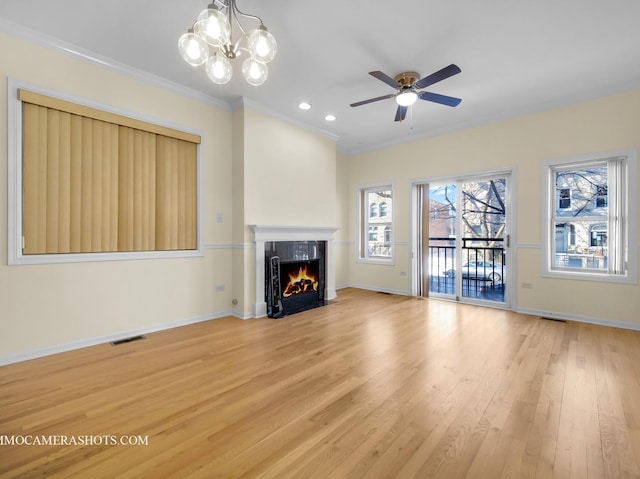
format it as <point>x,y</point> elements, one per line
<point>48,307</point>
<point>523,143</point>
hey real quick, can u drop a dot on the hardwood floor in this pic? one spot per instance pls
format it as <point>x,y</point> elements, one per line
<point>370,386</point>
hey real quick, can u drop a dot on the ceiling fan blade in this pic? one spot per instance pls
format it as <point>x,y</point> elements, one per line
<point>401,112</point>
<point>371,100</point>
<point>440,75</point>
<point>442,99</point>
<point>385,78</point>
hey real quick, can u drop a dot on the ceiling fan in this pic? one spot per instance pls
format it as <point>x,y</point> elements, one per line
<point>407,84</point>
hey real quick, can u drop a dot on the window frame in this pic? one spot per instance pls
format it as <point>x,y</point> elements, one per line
<point>362,254</point>
<point>627,244</point>
<point>15,255</point>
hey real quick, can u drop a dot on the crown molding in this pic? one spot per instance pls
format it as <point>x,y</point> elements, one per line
<point>60,46</point>
<point>506,115</point>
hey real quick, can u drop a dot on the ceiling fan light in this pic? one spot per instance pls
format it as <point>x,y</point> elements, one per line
<point>213,26</point>
<point>219,69</point>
<point>193,49</point>
<point>262,45</point>
<point>254,72</point>
<point>406,98</point>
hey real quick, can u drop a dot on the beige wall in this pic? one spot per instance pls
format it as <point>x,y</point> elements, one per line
<point>48,306</point>
<point>290,174</point>
<point>289,179</point>
<point>343,245</point>
<point>256,170</point>
<point>523,143</point>
<point>262,170</point>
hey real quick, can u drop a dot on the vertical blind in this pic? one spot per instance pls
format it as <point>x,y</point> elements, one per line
<point>97,182</point>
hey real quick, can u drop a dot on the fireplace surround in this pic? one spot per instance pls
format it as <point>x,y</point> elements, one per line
<point>264,235</point>
<point>294,276</point>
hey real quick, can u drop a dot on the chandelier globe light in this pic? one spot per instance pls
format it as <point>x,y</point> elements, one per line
<point>210,42</point>
<point>254,72</point>
<point>194,50</point>
<point>219,69</point>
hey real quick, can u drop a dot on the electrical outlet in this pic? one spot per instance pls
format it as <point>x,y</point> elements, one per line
<point>219,218</point>
<point>526,285</point>
<point>220,288</point>
<point>403,273</point>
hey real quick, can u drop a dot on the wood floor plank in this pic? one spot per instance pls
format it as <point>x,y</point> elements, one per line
<point>370,386</point>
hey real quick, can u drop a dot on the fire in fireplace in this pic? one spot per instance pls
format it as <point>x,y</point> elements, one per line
<point>299,278</point>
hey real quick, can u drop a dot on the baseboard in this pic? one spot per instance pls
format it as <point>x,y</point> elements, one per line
<point>533,312</point>
<point>84,343</point>
<point>580,319</point>
<point>373,288</point>
<point>241,315</point>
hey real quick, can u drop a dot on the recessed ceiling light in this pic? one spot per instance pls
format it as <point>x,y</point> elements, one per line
<point>304,106</point>
<point>330,118</point>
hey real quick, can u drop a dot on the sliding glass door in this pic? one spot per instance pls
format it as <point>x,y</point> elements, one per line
<point>464,252</point>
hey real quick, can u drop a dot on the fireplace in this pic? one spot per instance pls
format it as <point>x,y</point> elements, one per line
<point>264,237</point>
<point>294,276</point>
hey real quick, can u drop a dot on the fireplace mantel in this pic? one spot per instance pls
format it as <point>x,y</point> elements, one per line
<point>264,233</point>
<point>292,233</point>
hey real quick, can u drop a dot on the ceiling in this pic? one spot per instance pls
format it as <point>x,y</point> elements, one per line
<point>516,56</point>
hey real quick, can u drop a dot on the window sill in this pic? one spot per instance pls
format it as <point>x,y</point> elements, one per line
<point>379,261</point>
<point>590,276</point>
<point>96,257</point>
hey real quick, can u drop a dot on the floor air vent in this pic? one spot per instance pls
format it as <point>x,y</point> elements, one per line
<point>553,319</point>
<point>126,340</point>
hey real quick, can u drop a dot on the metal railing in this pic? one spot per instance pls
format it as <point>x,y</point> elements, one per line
<point>483,267</point>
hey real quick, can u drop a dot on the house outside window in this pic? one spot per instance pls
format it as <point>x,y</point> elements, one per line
<point>376,230</point>
<point>588,230</point>
<point>564,198</point>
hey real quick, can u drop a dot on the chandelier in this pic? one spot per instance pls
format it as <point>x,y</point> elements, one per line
<point>210,42</point>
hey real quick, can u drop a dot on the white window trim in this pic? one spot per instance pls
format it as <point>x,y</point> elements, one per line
<point>14,179</point>
<point>548,235</point>
<point>360,258</point>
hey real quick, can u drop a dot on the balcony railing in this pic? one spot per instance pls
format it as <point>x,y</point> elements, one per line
<point>482,270</point>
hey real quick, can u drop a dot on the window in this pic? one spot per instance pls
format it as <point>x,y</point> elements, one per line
<point>564,198</point>
<point>376,230</point>
<point>601,196</point>
<point>572,235</point>
<point>383,209</point>
<point>588,199</point>
<point>373,210</point>
<point>90,184</point>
